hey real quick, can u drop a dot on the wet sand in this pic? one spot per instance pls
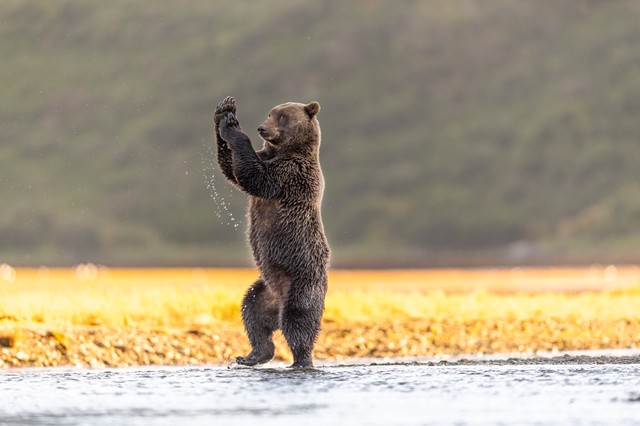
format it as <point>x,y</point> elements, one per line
<point>565,359</point>
<point>596,357</point>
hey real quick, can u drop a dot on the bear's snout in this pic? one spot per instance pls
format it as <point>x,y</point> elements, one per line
<point>268,134</point>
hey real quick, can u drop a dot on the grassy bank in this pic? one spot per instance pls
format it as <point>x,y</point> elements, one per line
<point>96,316</point>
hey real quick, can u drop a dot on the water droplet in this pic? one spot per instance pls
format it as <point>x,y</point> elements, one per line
<point>221,211</point>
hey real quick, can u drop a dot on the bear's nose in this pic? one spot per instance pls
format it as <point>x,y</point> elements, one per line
<point>262,129</point>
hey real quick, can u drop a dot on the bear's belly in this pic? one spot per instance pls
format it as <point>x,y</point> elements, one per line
<point>282,236</point>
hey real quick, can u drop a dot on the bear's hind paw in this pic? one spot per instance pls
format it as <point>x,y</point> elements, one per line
<point>301,365</point>
<point>251,359</point>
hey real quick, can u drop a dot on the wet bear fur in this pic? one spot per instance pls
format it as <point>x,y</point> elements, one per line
<point>285,185</point>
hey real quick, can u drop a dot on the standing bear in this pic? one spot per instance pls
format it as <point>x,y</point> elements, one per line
<point>285,184</point>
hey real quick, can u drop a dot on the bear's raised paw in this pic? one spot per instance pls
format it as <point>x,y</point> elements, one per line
<point>225,106</point>
<point>231,121</point>
<point>228,101</point>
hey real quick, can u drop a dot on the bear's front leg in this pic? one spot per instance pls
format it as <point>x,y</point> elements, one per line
<point>225,159</point>
<point>252,174</point>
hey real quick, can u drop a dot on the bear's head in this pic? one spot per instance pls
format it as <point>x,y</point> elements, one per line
<point>292,126</point>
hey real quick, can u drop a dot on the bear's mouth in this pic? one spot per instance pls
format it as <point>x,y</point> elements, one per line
<point>269,137</point>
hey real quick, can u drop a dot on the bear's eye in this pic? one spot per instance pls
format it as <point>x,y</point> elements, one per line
<point>283,118</point>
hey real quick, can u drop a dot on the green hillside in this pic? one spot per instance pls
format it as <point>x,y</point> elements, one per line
<point>453,131</point>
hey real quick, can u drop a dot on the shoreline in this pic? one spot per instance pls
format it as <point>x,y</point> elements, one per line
<point>587,357</point>
<point>569,358</point>
<point>418,341</point>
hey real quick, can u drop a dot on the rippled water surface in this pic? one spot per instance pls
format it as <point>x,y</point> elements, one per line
<point>359,394</point>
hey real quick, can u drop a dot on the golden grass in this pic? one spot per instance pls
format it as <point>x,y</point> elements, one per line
<point>368,313</point>
<point>183,297</point>
<point>124,297</point>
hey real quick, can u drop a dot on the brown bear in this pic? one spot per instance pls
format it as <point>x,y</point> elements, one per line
<point>285,184</point>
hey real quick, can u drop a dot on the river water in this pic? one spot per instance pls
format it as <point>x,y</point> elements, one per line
<point>370,394</point>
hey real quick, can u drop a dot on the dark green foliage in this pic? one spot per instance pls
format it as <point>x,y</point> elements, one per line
<point>447,125</point>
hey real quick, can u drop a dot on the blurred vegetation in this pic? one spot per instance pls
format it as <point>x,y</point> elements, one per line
<point>453,131</point>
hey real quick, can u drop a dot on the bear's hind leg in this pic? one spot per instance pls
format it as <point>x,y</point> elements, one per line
<point>260,313</point>
<point>301,319</point>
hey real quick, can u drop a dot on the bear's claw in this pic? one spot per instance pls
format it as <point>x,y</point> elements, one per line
<point>229,100</point>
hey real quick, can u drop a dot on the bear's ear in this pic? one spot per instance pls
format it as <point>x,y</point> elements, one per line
<point>312,109</point>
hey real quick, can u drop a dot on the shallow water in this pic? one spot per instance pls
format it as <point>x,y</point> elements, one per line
<point>399,394</point>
